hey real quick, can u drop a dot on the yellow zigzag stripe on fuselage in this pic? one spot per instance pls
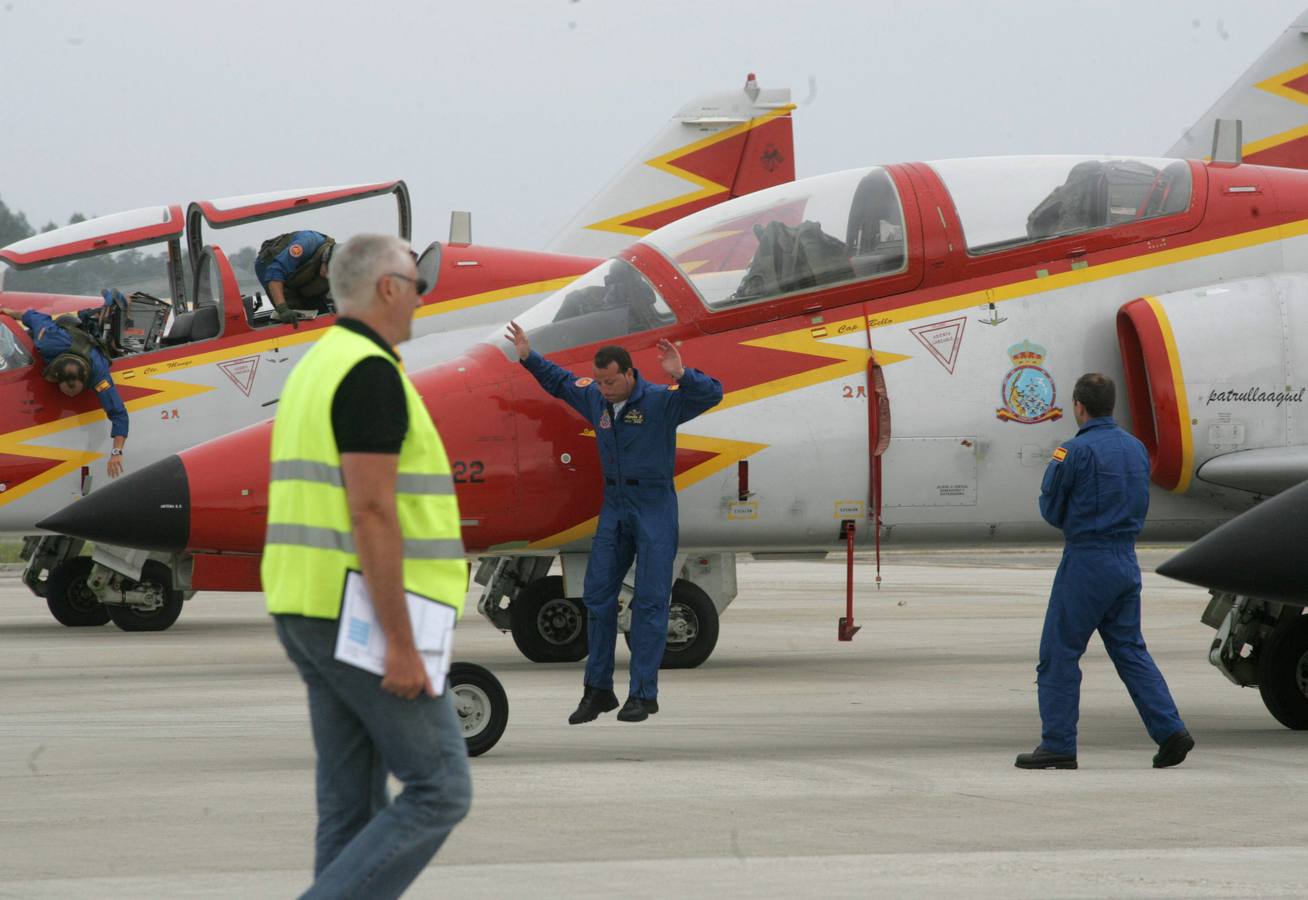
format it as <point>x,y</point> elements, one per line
<point>848,361</point>
<point>666,163</point>
<point>728,453</point>
<point>168,391</point>
<point>1178,388</point>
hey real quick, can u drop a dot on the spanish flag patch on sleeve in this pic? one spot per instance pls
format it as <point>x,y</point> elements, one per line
<point>102,386</point>
<point>1059,455</point>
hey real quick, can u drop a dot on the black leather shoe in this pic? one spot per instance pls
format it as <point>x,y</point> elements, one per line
<point>637,709</point>
<point>1172,751</point>
<point>1040,758</point>
<point>593,702</point>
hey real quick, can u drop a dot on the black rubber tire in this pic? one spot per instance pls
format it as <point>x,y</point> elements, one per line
<point>546,626</point>
<point>68,598</point>
<point>129,618</point>
<point>481,704</point>
<point>700,617</point>
<point>1283,671</point>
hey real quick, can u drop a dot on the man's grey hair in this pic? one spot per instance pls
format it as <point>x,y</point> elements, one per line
<point>357,266</point>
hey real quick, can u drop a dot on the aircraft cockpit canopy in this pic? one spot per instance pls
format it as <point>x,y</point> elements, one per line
<point>608,302</point>
<point>1008,201</point>
<point>832,229</point>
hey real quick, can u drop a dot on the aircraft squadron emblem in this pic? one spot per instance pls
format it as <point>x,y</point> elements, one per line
<point>772,157</point>
<point>1028,390</point>
<point>605,421</point>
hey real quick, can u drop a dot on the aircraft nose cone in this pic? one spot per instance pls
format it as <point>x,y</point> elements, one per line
<point>1259,553</point>
<point>145,510</point>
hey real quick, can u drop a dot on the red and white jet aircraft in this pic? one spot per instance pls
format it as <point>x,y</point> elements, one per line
<point>221,362</point>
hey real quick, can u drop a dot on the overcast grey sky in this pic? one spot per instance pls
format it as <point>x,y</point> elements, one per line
<point>521,110</point>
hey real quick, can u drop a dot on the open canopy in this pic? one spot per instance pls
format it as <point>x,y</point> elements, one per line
<point>120,231</point>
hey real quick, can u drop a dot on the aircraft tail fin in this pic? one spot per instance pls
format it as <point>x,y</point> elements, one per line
<point>716,147</point>
<point>1271,99</point>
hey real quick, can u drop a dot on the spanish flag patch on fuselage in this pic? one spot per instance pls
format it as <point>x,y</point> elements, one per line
<point>1059,455</point>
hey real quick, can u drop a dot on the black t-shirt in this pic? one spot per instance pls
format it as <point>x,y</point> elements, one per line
<point>369,411</point>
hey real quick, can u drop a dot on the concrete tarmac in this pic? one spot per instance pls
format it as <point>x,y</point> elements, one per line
<point>179,764</point>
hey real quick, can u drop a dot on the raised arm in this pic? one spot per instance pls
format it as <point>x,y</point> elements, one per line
<point>555,379</point>
<point>696,393</point>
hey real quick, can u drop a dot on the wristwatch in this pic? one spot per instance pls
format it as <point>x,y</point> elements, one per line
<point>115,452</point>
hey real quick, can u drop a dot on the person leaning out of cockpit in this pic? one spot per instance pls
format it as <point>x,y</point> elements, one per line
<point>292,268</point>
<point>73,359</point>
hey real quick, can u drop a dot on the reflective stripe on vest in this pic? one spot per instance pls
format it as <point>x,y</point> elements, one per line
<point>310,544</point>
<point>308,470</point>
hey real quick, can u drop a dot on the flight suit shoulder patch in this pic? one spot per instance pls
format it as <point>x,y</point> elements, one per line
<point>296,250</point>
<point>102,386</point>
<point>674,387</point>
<point>584,382</point>
<point>1059,455</point>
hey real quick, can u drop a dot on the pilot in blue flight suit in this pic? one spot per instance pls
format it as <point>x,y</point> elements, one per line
<point>73,359</point>
<point>1096,489</point>
<point>636,429</point>
<point>292,268</point>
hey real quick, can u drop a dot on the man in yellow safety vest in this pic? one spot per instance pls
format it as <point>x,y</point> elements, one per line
<point>361,484</point>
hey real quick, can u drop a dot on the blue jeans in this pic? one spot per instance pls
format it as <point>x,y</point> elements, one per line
<point>367,846</point>
<point>1097,588</point>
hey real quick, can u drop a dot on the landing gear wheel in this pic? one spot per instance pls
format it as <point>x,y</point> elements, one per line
<point>69,599</point>
<point>546,626</point>
<point>692,627</point>
<point>481,704</point>
<point>1283,672</point>
<point>131,618</point>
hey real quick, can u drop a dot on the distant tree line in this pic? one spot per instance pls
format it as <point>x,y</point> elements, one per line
<point>126,270</point>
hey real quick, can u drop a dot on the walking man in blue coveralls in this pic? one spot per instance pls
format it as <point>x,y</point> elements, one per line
<point>1096,489</point>
<point>293,270</point>
<point>636,427</point>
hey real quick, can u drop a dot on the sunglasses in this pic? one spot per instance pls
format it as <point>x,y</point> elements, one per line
<point>419,284</point>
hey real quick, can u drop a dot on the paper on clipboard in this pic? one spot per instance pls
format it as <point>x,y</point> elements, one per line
<point>361,642</point>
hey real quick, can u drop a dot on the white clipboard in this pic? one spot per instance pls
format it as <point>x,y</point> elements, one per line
<point>361,642</point>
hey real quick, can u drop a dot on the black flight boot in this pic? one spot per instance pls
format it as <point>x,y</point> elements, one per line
<point>637,709</point>
<point>1172,751</point>
<point>1040,758</point>
<point>593,702</point>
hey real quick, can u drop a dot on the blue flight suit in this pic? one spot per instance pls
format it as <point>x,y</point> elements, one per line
<point>638,519</point>
<point>1096,489</point>
<point>280,267</point>
<point>51,340</point>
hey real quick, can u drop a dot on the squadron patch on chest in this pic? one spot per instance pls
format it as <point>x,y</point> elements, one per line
<point>605,421</point>
<point>584,382</point>
<point>633,417</point>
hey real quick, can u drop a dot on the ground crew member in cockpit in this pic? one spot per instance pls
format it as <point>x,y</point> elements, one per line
<point>293,270</point>
<point>1096,489</point>
<point>636,428</point>
<point>75,359</point>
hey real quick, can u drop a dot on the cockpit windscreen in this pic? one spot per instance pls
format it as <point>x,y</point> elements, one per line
<point>847,226</point>
<point>608,302</point>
